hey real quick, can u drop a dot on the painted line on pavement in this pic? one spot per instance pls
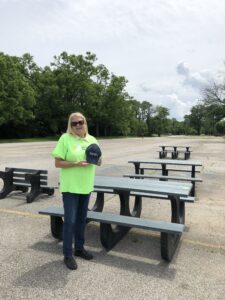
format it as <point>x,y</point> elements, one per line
<point>20,213</point>
<point>32,215</point>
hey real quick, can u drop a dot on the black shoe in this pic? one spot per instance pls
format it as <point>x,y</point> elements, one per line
<point>70,263</point>
<point>84,254</point>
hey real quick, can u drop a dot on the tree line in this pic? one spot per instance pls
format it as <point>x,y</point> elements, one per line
<point>36,102</point>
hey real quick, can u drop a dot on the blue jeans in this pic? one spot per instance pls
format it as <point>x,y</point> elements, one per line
<point>75,213</point>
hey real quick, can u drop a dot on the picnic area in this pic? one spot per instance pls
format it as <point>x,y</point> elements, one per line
<point>133,267</point>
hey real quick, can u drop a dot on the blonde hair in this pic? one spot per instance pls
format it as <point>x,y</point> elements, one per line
<point>69,127</point>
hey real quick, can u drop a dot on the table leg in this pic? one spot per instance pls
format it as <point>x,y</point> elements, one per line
<point>169,242</point>
<point>173,155</point>
<point>99,202</point>
<point>193,183</point>
<point>193,171</point>
<point>164,170</point>
<point>56,224</point>
<point>137,167</point>
<point>110,235</point>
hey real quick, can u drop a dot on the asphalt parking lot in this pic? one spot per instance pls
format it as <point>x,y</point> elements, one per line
<point>31,265</point>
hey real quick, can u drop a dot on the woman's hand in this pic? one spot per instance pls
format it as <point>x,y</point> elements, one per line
<point>82,163</point>
<point>60,163</point>
<point>99,161</point>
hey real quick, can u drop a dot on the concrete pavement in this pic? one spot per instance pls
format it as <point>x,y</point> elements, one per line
<point>31,264</point>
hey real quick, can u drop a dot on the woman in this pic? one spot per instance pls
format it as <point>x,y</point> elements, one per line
<point>76,185</point>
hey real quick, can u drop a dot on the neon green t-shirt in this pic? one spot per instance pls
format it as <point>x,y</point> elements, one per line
<point>78,180</point>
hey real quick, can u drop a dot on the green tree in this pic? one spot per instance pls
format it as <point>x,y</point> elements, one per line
<point>71,83</point>
<point>213,97</point>
<point>160,121</point>
<point>220,127</point>
<point>175,127</point>
<point>116,107</point>
<point>214,94</point>
<point>17,96</point>
<point>212,114</point>
<point>197,117</point>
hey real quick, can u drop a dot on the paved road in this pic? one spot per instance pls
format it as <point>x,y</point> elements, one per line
<point>31,261</point>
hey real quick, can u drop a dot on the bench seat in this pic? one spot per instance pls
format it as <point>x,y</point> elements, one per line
<point>170,232</point>
<point>171,170</point>
<point>164,177</point>
<point>184,151</point>
<point>146,195</point>
<point>174,153</point>
<point>193,180</point>
<point>166,150</point>
<point>121,220</point>
<point>22,179</point>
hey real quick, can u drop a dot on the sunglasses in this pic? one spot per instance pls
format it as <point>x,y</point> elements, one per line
<point>77,123</point>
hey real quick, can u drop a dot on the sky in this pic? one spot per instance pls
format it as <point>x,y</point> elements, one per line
<point>168,50</point>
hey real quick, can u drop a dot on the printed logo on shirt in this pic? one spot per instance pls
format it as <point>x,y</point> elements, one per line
<point>77,147</point>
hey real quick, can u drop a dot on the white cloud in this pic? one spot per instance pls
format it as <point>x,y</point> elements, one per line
<point>142,40</point>
<point>197,80</point>
<point>176,98</point>
<point>178,107</point>
<point>183,69</point>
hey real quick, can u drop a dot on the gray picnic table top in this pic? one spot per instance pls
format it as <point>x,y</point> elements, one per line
<point>195,163</point>
<point>145,186</point>
<point>169,146</point>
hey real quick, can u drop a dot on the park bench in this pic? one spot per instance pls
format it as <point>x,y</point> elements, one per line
<point>176,152</point>
<point>125,187</point>
<point>193,180</point>
<point>22,179</point>
<point>187,199</point>
<point>165,228</point>
<point>142,169</point>
<point>181,166</point>
<point>163,153</point>
<point>166,177</point>
<point>139,195</point>
<point>186,154</point>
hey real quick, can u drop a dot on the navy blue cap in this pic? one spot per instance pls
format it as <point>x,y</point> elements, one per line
<point>93,153</point>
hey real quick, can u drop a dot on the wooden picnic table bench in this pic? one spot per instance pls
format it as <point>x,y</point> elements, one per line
<point>164,163</point>
<point>126,187</point>
<point>19,179</point>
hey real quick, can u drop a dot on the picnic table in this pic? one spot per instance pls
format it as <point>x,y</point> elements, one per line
<point>163,168</point>
<point>175,151</point>
<point>126,187</point>
<point>175,147</point>
<point>20,179</point>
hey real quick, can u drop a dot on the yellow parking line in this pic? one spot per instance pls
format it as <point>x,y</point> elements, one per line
<point>20,213</point>
<point>31,215</point>
<point>207,245</point>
